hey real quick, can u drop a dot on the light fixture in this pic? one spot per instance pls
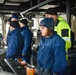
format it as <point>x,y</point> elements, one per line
<point>13,4</point>
<point>48,6</point>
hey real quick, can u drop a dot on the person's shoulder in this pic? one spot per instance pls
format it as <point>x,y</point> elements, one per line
<point>29,32</point>
<point>63,22</point>
<point>58,41</point>
<point>17,32</point>
<point>18,35</point>
<point>57,37</point>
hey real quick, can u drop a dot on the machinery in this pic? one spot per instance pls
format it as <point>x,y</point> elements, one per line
<point>14,67</point>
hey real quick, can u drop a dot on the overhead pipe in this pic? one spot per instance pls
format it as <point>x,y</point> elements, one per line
<point>34,7</point>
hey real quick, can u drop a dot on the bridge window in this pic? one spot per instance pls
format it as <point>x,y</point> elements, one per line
<point>0,25</point>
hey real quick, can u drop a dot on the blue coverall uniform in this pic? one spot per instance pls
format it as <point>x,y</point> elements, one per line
<point>51,54</point>
<point>15,44</point>
<point>27,35</point>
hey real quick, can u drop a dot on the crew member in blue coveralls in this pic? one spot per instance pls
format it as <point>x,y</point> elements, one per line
<point>51,54</point>
<point>14,17</point>
<point>27,34</point>
<point>15,41</point>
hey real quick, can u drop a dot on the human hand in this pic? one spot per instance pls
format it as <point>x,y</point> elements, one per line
<point>23,63</point>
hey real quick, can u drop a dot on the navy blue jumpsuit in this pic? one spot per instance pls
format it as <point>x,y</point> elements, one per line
<point>15,44</point>
<point>27,35</point>
<point>51,54</point>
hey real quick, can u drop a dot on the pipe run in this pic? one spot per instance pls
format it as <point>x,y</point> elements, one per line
<point>34,7</point>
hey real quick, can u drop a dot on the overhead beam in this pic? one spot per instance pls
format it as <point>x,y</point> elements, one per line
<point>35,10</point>
<point>53,3</point>
<point>14,2</point>
<point>7,7</point>
<point>5,12</point>
<point>43,10</point>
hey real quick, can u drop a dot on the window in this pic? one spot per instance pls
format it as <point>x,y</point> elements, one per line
<point>0,25</point>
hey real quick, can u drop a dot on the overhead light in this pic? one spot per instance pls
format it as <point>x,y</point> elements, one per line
<point>19,0</point>
<point>13,4</point>
<point>8,15</point>
<point>48,6</point>
<point>1,1</point>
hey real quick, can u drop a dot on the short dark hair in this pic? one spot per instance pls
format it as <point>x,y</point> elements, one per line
<point>51,11</point>
<point>24,21</point>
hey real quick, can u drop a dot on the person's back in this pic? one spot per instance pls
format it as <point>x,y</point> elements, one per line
<point>27,35</point>
<point>15,42</point>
